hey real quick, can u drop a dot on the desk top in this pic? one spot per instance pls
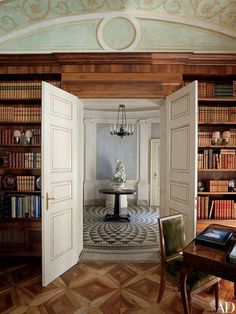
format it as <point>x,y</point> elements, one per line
<point>211,259</point>
<point>211,252</point>
<point>114,191</point>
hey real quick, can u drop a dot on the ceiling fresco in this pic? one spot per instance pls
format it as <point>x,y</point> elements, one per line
<point>20,19</point>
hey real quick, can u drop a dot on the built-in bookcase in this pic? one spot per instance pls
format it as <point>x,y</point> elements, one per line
<point>216,200</point>
<point>20,164</point>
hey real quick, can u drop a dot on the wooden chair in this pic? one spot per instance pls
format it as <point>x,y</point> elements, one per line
<point>172,241</point>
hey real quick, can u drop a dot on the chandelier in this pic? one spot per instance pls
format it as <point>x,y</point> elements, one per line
<point>121,128</point>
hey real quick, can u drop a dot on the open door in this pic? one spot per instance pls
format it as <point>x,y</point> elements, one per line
<point>62,200</point>
<point>181,156</point>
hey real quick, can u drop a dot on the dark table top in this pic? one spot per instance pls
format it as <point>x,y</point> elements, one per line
<point>119,192</point>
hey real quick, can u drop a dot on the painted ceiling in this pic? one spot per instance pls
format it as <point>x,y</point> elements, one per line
<point>117,25</point>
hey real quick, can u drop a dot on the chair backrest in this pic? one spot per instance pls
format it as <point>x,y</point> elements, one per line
<point>172,236</point>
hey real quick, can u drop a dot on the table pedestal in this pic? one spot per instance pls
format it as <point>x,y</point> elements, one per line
<point>110,201</point>
<point>117,193</point>
<point>116,215</point>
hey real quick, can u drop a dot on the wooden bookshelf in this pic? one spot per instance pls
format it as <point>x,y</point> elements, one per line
<point>216,153</point>
<point>20,163</point>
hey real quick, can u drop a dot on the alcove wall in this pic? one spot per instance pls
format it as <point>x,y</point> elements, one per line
<point>102,149</point>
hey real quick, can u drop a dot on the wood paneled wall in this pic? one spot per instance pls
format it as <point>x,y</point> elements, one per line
<point>120,75</point>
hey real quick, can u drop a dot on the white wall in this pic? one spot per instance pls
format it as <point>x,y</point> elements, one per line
<point>101,150</point>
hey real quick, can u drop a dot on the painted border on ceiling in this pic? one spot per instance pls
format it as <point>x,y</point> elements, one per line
<point>114,26</point>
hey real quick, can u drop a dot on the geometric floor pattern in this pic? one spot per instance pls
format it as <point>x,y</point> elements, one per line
<point>140,233</point>
<point>94,288</point>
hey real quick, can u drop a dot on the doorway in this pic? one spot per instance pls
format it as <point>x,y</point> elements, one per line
<point>99,115</point>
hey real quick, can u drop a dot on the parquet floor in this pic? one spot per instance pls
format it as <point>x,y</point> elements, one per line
<point>94,288</point>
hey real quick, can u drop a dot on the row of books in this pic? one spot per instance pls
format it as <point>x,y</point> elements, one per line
<point>210,160</point>
<point>215,209</point>
<point>216,90</point>
<point>218,185</point>
<point>21,206</point>
<point>20,114</point>
<point>22,90</point>
<point>205,138</point>
<point>223,90</point>
<point>25,183</point>
<point>20,160</point>
<point>7,136</point>
<point>216,114</point>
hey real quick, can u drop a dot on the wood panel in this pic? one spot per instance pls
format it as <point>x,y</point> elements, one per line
<point>131,75</point>
<point>119,77</point>
<point>120,90</point>
<point>123,68</point>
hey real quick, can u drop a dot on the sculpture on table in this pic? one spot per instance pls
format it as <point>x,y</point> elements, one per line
<point>119,175</point>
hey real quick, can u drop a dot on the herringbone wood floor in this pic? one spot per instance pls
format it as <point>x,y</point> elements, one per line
<point>94,288</point>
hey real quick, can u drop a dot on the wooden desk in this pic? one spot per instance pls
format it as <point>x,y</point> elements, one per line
<point>208,259</point>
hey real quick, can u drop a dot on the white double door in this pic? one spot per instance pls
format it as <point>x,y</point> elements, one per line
<point>62,171</point>
<point>62,180</point>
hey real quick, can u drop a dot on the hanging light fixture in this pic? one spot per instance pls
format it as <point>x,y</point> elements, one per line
<point>121,128</point>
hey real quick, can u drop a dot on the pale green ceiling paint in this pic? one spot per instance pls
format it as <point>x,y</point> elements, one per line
<point>155,25</point>
<point>56,38</point>
<point>181,37</point>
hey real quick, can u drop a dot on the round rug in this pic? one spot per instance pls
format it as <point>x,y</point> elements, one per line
<point>140,232</point>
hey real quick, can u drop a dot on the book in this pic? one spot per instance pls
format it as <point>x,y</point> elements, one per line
<point>214,236</point>
<point>211,209</point>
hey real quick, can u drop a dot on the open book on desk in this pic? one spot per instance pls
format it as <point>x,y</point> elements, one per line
<point>214,236</point>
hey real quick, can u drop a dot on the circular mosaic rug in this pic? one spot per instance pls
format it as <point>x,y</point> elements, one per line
<point>140,232</point>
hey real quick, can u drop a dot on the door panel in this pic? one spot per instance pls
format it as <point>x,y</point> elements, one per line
<point>61,180</point>
<point>181,156</point>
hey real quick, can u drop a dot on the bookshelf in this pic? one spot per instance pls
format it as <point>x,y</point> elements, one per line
<point>216,200</point>
<point>20,163</point>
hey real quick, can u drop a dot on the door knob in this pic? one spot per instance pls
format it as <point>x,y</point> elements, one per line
<point>155,175</point>
<point>48,199</point>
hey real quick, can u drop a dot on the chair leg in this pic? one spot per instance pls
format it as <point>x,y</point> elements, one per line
<point>216,286</point>
<point>162,286</point>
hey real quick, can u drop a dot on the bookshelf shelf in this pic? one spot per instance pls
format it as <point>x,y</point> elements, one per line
<point>20,145</point>
<point>19,123</point>
<point>217,123</point>
<point>21,168</point>
<point>26,101</point>
<point>17,192</point>
<point>215,100</point>
<point>26,222</point>
<point>216,193</point>
<point>216,170</point>
<point>217,146</point>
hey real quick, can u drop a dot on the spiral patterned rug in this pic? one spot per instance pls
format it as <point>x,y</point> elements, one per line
<point>140,233</point>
